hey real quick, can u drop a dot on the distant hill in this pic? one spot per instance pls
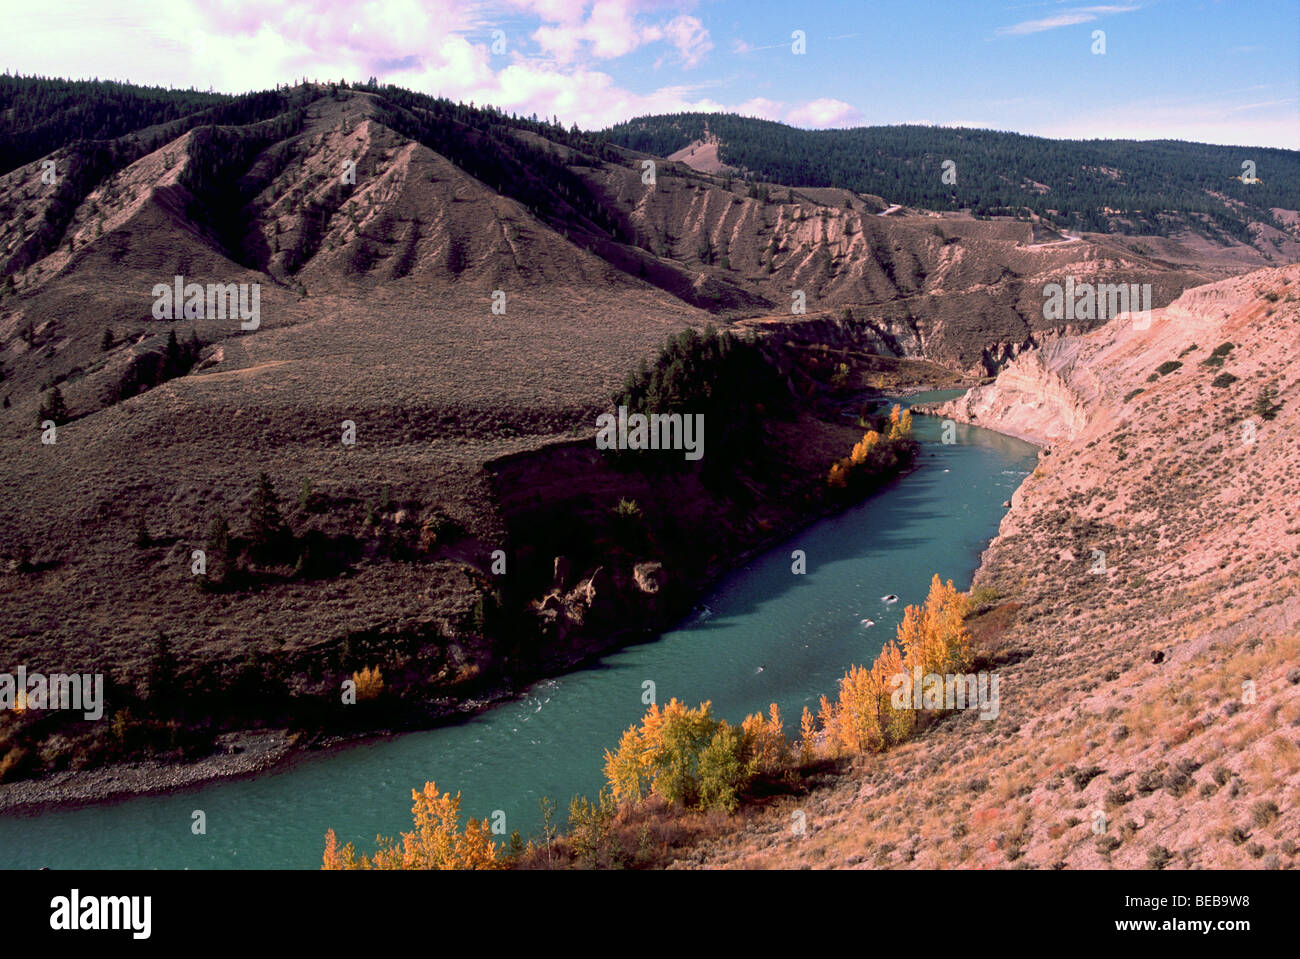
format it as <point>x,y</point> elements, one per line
<point>1129,186</point>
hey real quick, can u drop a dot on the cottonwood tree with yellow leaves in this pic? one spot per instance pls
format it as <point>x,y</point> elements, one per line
<point>369,683</point>
<point>686,756</point>
<point>900,423</point>
<point>876,453</point>
<point>436,842</point>
<point>932,637</point>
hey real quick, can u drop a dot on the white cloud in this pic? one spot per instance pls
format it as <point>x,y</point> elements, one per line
<point>762,108</point>
<point>1221,121</point>
<point>1068,18</point>
<point>607,29</point>
<point>434,46</point>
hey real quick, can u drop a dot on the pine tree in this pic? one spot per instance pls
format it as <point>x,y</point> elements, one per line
<point>267,533</point>
<point>221,554</point>
<point>172,362</point>
<point>162,672</point>
<point>54,408</point>
<point>106,343</point>
<point>1266,406</point>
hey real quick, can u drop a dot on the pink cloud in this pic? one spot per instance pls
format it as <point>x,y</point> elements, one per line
<point>607,29</point>
<point>825,112</point>
<point>690,38</point>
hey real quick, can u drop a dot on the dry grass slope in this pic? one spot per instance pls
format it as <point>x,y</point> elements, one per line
<point>1150,713</point>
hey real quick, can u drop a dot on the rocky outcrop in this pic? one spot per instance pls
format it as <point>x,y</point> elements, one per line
<point>1044,396</point>
<point>650,577</point>
<point>590,615</point>
<point>1071,386</point>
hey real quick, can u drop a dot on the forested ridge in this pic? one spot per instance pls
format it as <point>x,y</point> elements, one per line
<point>103,126</point>
<point>485,143</point>
<point>1072,182</point>
<point>39,114</point>
<point>95,128</point>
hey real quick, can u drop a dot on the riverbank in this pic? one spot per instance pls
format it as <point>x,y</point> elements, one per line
<point>248,753</point>
<point>763,634</point>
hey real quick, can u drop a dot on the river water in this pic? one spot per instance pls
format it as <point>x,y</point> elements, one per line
<point>762,635</point>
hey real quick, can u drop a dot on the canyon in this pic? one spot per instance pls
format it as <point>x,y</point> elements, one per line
<point>471,438</point>
<point>1149,706</point>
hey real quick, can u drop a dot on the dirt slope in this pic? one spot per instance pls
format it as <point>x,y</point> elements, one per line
<point>1150,698</point>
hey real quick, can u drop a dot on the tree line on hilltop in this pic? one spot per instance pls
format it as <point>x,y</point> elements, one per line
<point>1071,182</point>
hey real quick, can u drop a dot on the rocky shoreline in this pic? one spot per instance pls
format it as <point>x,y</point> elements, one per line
<point>239,754</point>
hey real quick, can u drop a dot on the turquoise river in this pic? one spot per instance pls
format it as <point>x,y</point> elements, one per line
<point>761,635</point>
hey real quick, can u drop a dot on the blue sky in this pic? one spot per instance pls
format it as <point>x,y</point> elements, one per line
<point>1222,71</point>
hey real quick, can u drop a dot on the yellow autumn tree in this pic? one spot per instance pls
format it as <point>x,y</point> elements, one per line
<point>765,747</point>
<point>626,769</point>
<point>838,477</point>
<point>864,718</point>
<point>336,858</point>
<point>684,755</point>
<point>900,423</point>
<point>920,644</point>
<point>852,722</point>
<point>807,737</point>
<point>870,440</point>
<point>436,842</point>
<point>826,718</point>
<point>369,683</point>
<point>933,637</point>
<point>896,724</point>
<point>663,755</point>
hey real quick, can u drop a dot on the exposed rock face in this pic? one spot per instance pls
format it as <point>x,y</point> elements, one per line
<point>1043,395</point>
<point>597,588</point>
<point>650,577</point>
<point>1072,387</point>
<point>587,617</point>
